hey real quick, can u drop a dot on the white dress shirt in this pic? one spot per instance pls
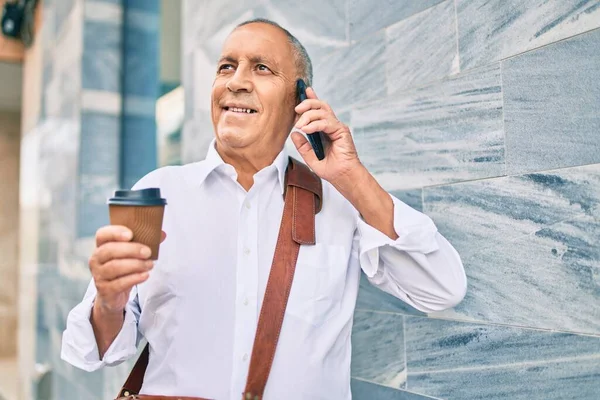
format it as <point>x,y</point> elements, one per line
<point>199,309</point>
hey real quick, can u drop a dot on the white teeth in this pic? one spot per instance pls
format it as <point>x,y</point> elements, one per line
<point>241,110</point>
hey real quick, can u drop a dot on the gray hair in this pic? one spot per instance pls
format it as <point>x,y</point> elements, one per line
<point>303,63</point>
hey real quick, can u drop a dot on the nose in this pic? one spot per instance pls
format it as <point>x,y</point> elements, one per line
<point>240,81</point>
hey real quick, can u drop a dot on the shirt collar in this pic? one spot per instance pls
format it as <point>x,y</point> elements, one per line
<point>213,161</point>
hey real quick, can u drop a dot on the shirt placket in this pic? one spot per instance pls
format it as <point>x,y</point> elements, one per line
<point>246,291</point>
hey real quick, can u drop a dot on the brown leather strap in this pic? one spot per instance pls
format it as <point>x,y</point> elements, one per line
<point>297,227</point>
<point>134,381</point>
<point>303,200</point>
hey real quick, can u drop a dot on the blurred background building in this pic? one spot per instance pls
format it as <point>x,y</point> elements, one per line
<point>484,114</point>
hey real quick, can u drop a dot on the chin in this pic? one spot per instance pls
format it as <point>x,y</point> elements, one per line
<point>233,137</point>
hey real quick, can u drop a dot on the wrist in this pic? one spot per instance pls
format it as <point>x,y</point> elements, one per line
<point>350,183</point>
<point>104,310</point>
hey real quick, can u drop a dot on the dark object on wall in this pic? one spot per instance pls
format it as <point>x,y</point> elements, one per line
<point>18,20</point>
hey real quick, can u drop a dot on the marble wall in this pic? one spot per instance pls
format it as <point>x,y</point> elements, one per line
<point>485,115</point>
<point>93,131</point>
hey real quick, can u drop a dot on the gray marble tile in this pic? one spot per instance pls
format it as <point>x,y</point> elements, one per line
<point>99,169</point>
<point>331,81</point>
<point>374,299</point>
<point>187,81</point>
<point>529,246</point>
<point>141,61</point>
<point>438,345</point>
<point>352,75</point>
<point>576,380</point>
<point>345,118</point>
<point>378,348</point>
<point>446,132</point>
<point>494,30</point>
<point>365,18</point>
<point>320,26</point>
<point>203,19</point>
<point>62,9</point>
<point>101,64</point>
<point>362,390</point>
<point>100,144</point>
<point>196,137</point>
<point>202,77</point>
<point>150,6</point>
<point>139,149</point>
<point>413,198</point>
<point>551,112</point>
<point>422,48</point>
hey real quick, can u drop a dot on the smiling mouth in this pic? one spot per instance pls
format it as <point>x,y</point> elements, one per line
<point>240,110</point>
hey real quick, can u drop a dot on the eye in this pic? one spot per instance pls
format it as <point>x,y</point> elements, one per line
<point>262,68</point>
<point>225,67</point>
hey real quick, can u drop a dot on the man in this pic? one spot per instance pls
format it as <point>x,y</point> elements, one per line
<point>198,306</point>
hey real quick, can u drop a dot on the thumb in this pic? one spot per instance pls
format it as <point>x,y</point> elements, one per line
<point>304,148</point>
<point>163,236</point>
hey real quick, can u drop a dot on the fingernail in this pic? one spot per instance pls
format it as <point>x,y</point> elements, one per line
<point>126,235</point>
<point>145,252</point>
<point>149,264</point>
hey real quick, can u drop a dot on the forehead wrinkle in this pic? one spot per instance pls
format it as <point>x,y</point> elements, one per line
<point>227,58</point>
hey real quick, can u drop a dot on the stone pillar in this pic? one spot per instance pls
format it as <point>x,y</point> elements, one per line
<point>94,132</point>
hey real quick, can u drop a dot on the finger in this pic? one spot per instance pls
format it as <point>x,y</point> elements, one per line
<point>311,104</point>
<point>304,148</point>
<point>163,236</point>
<point>310,93</point>
<point>116,250</point>
<point>317,126</point>
<point>113,233</point>
<point>120,267</point>
<point>309,116</point>
<point>127,282</point>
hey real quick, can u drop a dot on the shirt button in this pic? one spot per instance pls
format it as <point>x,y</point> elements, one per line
<point>248,206</point>
<point>245,358</point>
<point>246,251</point>
<point>246,301</point>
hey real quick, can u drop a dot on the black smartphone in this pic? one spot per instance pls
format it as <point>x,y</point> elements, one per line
<point>315,139</point>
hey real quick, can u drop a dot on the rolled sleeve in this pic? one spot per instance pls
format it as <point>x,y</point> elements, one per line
<point>416,233</point>
<point>420,267</point>
<point>79,347</point>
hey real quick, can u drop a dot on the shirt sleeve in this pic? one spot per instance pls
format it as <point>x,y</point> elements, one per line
<point>420,267</point>
<point>79,347</point>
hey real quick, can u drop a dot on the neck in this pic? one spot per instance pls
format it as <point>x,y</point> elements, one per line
<point>247,162</point>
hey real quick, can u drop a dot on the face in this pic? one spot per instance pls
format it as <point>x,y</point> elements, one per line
<point>253,95</point>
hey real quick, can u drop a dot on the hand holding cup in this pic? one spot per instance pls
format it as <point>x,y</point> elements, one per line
<point>125,250</point>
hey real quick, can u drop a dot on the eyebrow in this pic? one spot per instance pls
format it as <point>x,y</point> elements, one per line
<point>254,59</point>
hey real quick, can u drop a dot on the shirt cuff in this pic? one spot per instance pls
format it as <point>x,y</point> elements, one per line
<point>79,347</point>
<point>416,233</point>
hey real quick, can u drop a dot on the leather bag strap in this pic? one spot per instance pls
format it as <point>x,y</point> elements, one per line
<point>303,200</point>
<point>133,384</point>
<point>303,191</point>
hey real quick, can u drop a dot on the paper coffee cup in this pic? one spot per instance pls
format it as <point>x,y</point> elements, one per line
<point>141,211</point>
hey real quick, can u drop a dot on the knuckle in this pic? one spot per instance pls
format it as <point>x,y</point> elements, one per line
<point>110,267</point>
<point>101,286</point>
<point>101,253</point>
<point>92,262</point>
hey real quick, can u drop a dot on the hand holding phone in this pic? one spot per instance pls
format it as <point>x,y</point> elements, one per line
<point>314,138</point>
